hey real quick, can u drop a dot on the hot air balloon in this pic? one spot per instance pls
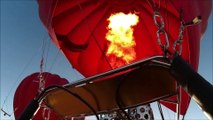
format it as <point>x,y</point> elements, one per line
<point>98,36</point>
<point>28,90</point>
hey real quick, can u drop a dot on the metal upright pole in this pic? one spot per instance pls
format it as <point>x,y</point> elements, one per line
<point>178,103</point>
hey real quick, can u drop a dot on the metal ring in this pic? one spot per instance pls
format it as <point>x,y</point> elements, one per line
<point>161,23</point>
<point>179,41</point>
<point>166,46</point>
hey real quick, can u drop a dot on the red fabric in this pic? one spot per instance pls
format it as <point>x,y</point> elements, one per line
<point>28,89</point>
<point>78,28</point>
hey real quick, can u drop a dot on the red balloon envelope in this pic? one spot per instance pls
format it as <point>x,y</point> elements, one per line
<point>80,27</point>
<point>28,89</point>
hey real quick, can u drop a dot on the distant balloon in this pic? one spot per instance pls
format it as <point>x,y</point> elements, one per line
<point>80,28</point>
<point>28,89</point>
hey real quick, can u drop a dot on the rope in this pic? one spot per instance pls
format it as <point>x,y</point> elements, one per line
<point>29,62</point>
<point>47,54</point>
<point>54,61</point>
<point>45,40</point>
<point>19,76</point>
<point>160,110</point>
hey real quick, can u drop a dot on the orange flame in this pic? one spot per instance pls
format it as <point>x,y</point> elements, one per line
<point>120,35</point>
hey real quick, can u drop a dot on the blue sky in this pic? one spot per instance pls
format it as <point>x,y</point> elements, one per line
<point>21,40</point>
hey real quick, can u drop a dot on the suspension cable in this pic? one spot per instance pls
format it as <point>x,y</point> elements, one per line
<point>19,76</point>
<point>160,110</point>
<point>41,79</point>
